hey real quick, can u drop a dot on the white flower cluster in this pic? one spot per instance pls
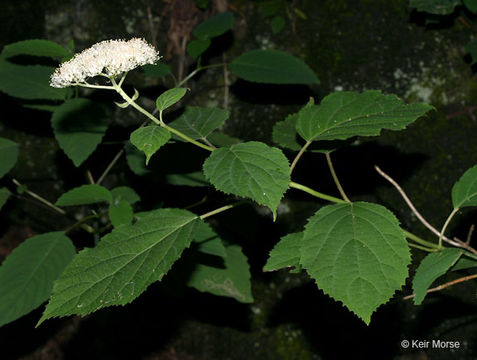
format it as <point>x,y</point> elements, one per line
<point>109,57</point>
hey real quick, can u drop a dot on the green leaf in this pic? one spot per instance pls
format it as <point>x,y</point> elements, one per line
<point>277,24</point>
<point>79,126</point>
<point>233,281</point>
<point>123,264</point>
<point>28,82</point>
<point>136,160</point>
<point>464,263</point>
<point>286,253</point>
<point>284,133</point>
<point>270,7</point>
<point>8,155</point>
<point>191,179</point>
<point>4,195</point>
<point>357,254</point>
<point>202,4</point>
<point>464,191</point>
<point>471,48</point>
<point>28,273</point>
<point>272,67</point>
<point>195,47</point>
<point>121,213</point>
<point>221,139</point>
<point>41,107</point>
<point>169,98</point>
<point>252,170</point>
<point>209,242</point>
<point>36,47</point>
<point>124,193</point>
<point>345,114</point>
<point>430,268</point>
<point>471,5</point>
<point>214,26</point>
<point>84,195</point>
<point>149,139</point>
<point>198,122</point>
<point>436,7</point>
<point>156,70</point>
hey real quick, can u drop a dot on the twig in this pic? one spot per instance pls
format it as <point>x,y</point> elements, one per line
<point>335,177</point>
<point>111,164</point>
<point>443,286</point>
<point>226,82</point>
<point>413,209</point>
<point>41,199</point>
<point>90,177</point>
<point>469,110</point>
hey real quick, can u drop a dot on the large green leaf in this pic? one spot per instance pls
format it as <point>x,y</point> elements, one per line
<point>209,242</point>
<point>232,281</point>
<point>344,114</point>
<point>357,254</point>
<point>197,47</point>
<point>8,155</point>
<point>28,82</point>
<point>272,67</point>
<point>198,122</point>
<point>284,133</point>
<point>149,139</point>
<point>430,268</point>
<point>84,195</point>
<point>169,98</point>
<point>35,47</point>
<point>286,253</point>
<point>437,7</point>
<point>4,195</point>
<point>28,273</point>
<point>252,170</point>
<point>214,26</point>
<point>122,265</point>
<point>464,191</point>
<point>79,126</point>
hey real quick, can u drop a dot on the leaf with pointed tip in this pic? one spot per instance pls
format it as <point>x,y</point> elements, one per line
<point>431,267</point>
<point>8,155</point>
<point>464,191</point>
<point>233,281</point>
<point>198,122</point>
<point>464,263</point>
<point>357,254</point>
<point>84,195</point>
<point>34,47</point>
<point>272,67</point>
<point>209,242</point>
<point>123,264</point>
<point>4,195</point>
<point>251,169</point>
<point>120,213</point>
<point>28,273</point>
<point>169,98</point>
<point>149,139</point>
<point>79,126</point>
<point>284,133</point>
<point>345,114</point>
<point>286,253</point>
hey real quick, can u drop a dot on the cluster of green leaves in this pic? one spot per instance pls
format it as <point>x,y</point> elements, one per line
<point>355,251</point>
<point>438,8</point>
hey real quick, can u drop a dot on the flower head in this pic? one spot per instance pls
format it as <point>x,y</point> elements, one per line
<point>109,57</point>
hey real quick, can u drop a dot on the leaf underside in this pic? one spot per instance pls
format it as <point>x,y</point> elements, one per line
<point>286,253</point>
<point>464,191</point>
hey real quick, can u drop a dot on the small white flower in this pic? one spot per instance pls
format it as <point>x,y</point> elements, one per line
<point>109,57</point>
